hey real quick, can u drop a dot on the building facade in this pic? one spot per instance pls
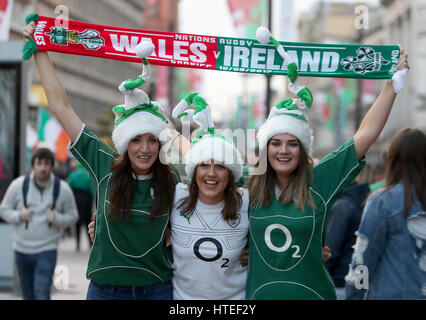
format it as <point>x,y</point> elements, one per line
<point>392,22</point>
<point>92,83</point>
<point>403,23</point>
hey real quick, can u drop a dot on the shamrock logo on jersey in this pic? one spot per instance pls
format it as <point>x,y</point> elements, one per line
<point>234,223</point>
<point>367,60</point>
<point>91,39</point>
<point>186,217</point>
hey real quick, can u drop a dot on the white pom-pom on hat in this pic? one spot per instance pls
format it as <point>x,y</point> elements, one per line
<point>263,35</point>
<point>144,49</point>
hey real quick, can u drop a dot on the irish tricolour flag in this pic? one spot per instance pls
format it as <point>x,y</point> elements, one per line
<point>53,135</point>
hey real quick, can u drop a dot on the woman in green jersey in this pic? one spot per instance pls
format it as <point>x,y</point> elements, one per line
<point>290,197</point>
<point>134,188</point>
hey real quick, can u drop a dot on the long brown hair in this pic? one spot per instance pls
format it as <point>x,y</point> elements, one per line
<point>124,186</point>
<point>262,187</point>
<point>406,164</point>
<point>233,199</point>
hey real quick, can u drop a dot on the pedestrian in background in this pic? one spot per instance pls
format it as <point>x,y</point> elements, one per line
<point>391,240</point>
<point>81,185</point>
<point>344,218</point>
<point>378,173</point>
<point>39,219</point>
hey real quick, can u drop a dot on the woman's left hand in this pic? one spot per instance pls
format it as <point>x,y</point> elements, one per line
<point>398,79</point>
<point>403,60</point>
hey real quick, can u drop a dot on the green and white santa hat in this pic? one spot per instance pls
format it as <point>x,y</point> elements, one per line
<point>287,115</point>
<point>138,115</point>
<point>207,144</point>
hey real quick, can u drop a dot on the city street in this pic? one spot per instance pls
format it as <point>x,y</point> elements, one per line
<point>69,282</point>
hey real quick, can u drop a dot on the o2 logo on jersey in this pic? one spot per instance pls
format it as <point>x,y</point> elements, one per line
<point>287,237</point>
<point>218,254</point>
<point>280,241</point>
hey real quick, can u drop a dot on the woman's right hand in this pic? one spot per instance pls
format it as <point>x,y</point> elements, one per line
<point>326,253</point>
<point>91,228</point>
<point>56,95</point>
<point>29,31</point>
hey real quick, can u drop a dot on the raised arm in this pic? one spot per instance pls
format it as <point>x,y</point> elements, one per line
<point>374,121</point>
<point>57,98</point>
<point>179,141</point>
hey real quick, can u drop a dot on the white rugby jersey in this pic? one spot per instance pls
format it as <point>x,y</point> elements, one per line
<point>206,251</point>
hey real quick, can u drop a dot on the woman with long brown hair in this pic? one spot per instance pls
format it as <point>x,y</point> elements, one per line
<point>390,246</point>
<point>209,220</point>
<point>290,197</point>
<point>134,188</point>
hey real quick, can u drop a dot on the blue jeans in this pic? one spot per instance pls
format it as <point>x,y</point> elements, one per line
<point>158,291</point>
<point>340,293</point>
<point>36,274</point>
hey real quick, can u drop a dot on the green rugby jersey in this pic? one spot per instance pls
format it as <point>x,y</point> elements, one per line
<point>129,252</point>
<point>286,243</point>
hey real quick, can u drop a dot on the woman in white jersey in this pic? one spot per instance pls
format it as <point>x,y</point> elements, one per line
<point>209,221</point>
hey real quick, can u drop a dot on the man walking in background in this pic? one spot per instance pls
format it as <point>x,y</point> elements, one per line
<point>39,206</point>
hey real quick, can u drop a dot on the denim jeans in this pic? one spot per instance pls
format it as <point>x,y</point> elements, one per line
<point>158,291</point>
<point>340,293</point>
<point>36,274</point>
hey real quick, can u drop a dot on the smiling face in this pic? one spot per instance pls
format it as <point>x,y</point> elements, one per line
<point>212,179</point>
<point>284,154</point>
<point>143,151</point>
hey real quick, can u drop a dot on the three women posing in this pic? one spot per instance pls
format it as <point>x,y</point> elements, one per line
<point>284,210</point>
